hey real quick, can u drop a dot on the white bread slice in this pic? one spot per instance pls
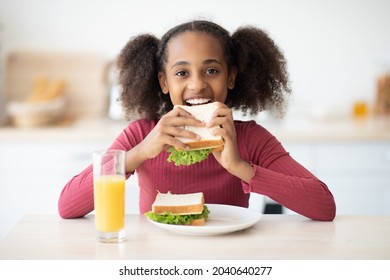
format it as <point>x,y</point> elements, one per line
<point>180,204</point>
<point>203,113</point>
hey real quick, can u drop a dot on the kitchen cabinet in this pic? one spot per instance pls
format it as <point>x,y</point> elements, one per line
<point>356,172</point>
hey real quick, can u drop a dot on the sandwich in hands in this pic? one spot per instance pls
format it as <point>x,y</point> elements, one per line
<point>199,150</point>
<point>179,209</point>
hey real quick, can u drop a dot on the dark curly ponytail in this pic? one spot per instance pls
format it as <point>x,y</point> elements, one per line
<point>137,76</point>
<point>262,80</point>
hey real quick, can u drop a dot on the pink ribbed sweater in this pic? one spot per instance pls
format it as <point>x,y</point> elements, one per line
<point>276,175</point>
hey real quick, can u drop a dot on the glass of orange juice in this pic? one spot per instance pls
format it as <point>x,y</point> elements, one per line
<point>109,195</point>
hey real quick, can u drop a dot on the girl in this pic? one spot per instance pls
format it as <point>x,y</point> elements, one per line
<point>199,62</point>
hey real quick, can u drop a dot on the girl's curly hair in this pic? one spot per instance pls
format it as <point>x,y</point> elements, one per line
<point>262,81</point>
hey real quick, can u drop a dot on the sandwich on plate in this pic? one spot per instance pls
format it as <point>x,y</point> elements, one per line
<point>179,209</point>
<point>199,150</point>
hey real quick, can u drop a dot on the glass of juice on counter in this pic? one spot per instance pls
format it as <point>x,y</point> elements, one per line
<point>109,195</point>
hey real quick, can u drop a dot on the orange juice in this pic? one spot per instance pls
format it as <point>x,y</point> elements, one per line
<point>360,109</point>
<point>109,199</point>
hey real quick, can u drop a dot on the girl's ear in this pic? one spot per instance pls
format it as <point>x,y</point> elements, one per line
<point>232,77</point>
<point>163,82</point>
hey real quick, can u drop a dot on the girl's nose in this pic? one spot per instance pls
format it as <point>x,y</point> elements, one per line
<point>196,84</point>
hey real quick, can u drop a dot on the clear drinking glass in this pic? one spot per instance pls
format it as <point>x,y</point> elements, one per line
<point>109,195</point>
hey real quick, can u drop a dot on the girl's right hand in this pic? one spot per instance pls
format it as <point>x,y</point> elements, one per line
<point>163,134</point>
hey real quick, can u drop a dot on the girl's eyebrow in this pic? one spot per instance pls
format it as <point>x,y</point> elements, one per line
<point>210,61</point>
<point>206,62</point>
<point>180,63</point>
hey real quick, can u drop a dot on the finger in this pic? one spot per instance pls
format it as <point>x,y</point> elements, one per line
<point>183,113</point>
<point>222,112</point>
<point>178,111</point>
<point>220,131</point>
<point>220,105</point>
<point>177,144</point>
<point>177,131</point>
<point>221,120</point>
<point>171,141</point>
<point>186,121</point>
<point>222,126</point>
<point>180,117</point>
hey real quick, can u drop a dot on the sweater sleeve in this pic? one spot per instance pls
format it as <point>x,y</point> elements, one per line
<point>278,176</point>
<point>76,198</point>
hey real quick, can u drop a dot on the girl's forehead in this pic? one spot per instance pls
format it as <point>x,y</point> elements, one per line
<point>195,42</point>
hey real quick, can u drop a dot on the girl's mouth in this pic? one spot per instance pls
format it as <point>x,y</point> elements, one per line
<point>197,101</point>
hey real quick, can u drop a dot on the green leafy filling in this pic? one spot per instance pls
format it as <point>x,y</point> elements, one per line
<point>187,157</point>
<point>174,219</point>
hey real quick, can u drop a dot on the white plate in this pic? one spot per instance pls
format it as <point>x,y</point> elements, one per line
<point>222,219</point>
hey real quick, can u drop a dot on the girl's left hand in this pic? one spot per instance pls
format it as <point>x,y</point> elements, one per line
<point>229,157</point>
<point>223,122</point>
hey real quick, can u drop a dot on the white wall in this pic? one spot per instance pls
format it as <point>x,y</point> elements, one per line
<point>335,49</point>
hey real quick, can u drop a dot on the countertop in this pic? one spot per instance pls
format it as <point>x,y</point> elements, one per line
<point>293,129</point>
<point>273,237</point>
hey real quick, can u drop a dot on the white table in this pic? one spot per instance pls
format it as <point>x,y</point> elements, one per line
<point>273,237</point>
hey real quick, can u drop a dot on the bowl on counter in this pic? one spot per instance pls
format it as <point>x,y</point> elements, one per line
<point>35,114</point>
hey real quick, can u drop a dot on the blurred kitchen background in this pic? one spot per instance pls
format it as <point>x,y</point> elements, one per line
<point>58,92</point>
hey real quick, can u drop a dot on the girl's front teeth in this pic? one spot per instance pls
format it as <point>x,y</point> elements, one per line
<point>198,101</point>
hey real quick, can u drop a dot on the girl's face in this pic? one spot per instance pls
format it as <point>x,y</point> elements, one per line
<point>196,71</point>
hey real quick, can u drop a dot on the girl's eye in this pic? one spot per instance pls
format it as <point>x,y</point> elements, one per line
<point>211,71</point>
<point>181,73</point>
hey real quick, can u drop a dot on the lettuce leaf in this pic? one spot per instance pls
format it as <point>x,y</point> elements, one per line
<point>187,157</point>
<point>174,219</point>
